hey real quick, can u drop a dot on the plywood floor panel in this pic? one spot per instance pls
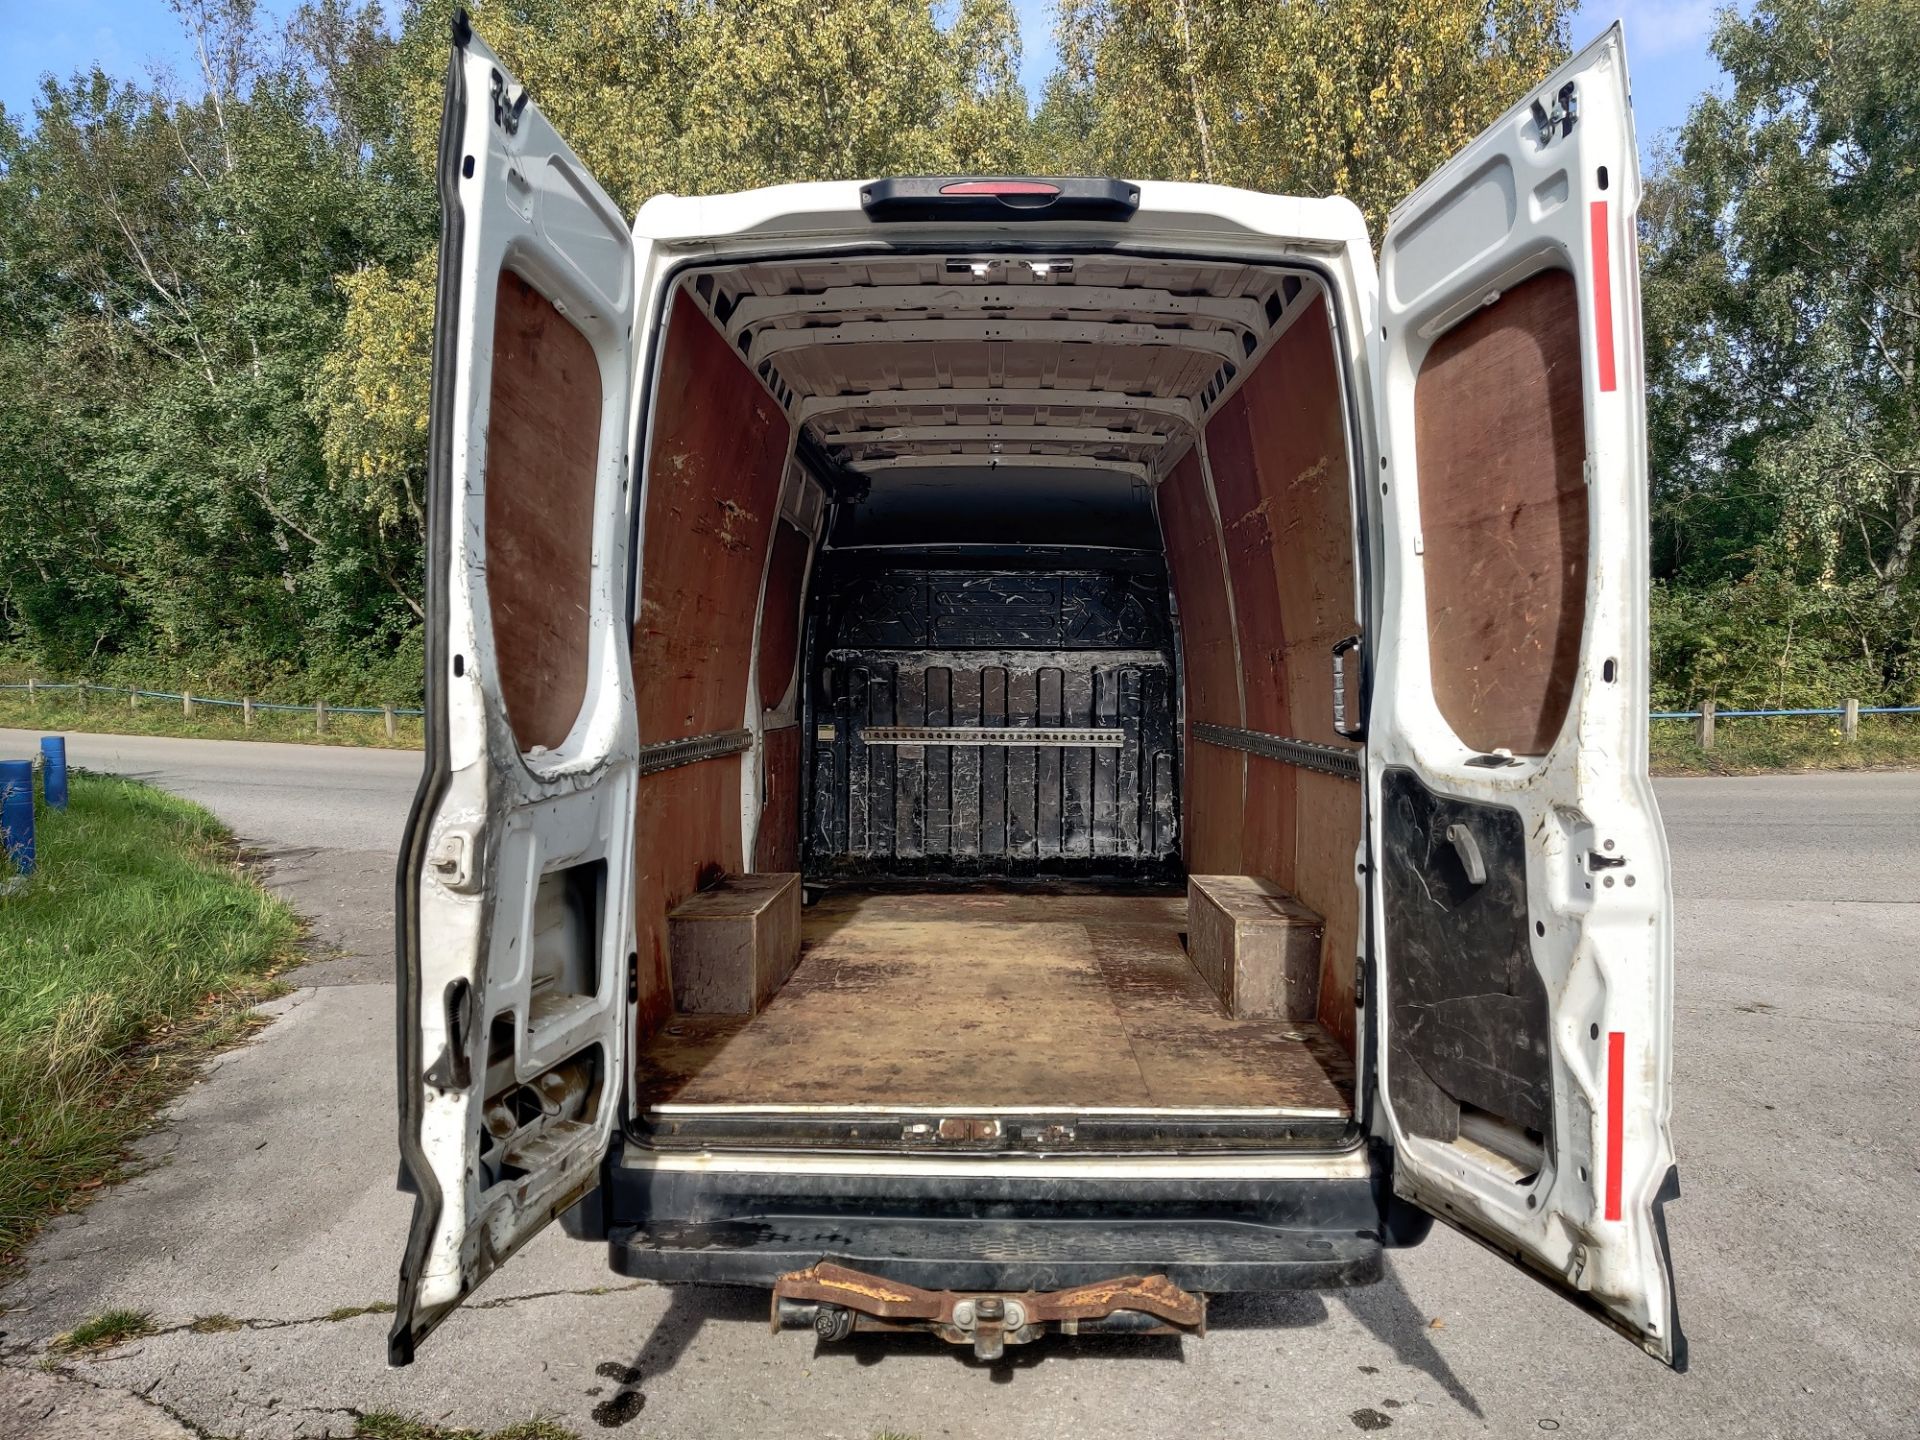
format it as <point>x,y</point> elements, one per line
<point>1008,996</point>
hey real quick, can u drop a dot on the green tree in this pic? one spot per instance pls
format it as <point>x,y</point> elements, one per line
<point>1782,258</point>
<point>671,97</point>
<point>171,270</point>
<point>1362,98</point>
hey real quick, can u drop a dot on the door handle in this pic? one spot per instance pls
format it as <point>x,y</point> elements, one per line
<point>1358,730</point>
<point>1468,850</point>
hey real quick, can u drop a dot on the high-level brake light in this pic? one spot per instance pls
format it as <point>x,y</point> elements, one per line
<point>998,198</point>
<point>999,187</point>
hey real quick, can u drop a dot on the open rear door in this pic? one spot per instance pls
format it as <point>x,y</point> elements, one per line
<point>515,874</point>
<point>1521,895</point>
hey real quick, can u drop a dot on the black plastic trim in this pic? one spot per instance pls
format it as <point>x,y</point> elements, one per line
<point>1210,1256</point>
<point>919,197</point>
<point>989,1232</point>
<point>1676,1337</point>
<point>435,767</point>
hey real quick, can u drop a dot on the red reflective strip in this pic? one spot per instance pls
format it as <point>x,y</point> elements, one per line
<point>1616,1116</point>
<point>999,187</point>
<point>1602,294</point>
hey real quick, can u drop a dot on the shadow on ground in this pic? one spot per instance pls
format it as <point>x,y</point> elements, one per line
<point>1385,1310</point>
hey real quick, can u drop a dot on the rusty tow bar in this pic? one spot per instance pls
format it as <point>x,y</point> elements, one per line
<point>834,1302</point>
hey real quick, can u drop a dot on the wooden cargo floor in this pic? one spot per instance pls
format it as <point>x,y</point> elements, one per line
<point>1036,995</point>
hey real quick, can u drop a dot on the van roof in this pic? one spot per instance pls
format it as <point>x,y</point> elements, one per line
<point>1171,215</point>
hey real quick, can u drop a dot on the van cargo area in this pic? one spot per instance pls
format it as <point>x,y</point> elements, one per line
<point>1050,1010</point>
<point>1027,563</point>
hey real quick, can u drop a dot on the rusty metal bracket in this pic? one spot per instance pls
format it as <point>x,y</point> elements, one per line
<point>834,1301</point>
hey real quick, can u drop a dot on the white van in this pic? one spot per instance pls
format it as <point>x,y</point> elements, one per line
<point>1007,755</point>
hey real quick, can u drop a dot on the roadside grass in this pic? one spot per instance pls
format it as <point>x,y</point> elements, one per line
<point>135,949</point>
<point>104,1331</point>
<point>106,713</point>
<point>384,1425</point>
<point>1762,746</point>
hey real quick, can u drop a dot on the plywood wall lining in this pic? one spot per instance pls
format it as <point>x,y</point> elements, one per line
<point>1277,456</point>
<point>542,459</point>
<point>1328,831</point>
<point>780,612</point>
<point>1241,478</point>
<point>777,843</point>
<point>687,823</point>
<point>1246,525</point>
<point>718,451</point>
<point>1212,796</point>
<point>1500,437</point>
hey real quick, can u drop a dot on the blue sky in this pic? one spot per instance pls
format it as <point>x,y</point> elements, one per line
<point>122,36</point>
<point>1666,46</point>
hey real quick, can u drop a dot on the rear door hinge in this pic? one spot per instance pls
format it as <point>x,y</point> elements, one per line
<point>507,106</point>
<point>1557,115</point>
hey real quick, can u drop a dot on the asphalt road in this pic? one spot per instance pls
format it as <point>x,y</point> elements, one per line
<point>271,1203</point>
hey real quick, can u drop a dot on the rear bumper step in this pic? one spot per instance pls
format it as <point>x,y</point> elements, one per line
<point>1209,1256</point>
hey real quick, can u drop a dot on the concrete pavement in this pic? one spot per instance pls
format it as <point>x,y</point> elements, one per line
<point>269,1219</point>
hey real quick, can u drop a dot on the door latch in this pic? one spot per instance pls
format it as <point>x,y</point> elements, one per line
<point>455,861</point>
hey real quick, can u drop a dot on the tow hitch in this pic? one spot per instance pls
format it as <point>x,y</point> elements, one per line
<point>835,1302</point>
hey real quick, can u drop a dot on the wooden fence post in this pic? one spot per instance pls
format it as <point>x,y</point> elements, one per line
<point>319,717</point>
<point>33,699</point>
<point>386,713</point>
<point>1850,721</point>
<point>246,712</point>
<point>1706,724</point>
<point>186,703</point>
<point>133,697</point>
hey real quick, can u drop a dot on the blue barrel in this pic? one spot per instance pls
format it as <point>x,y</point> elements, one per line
<point>16,813</point>
<point>53,770</point>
